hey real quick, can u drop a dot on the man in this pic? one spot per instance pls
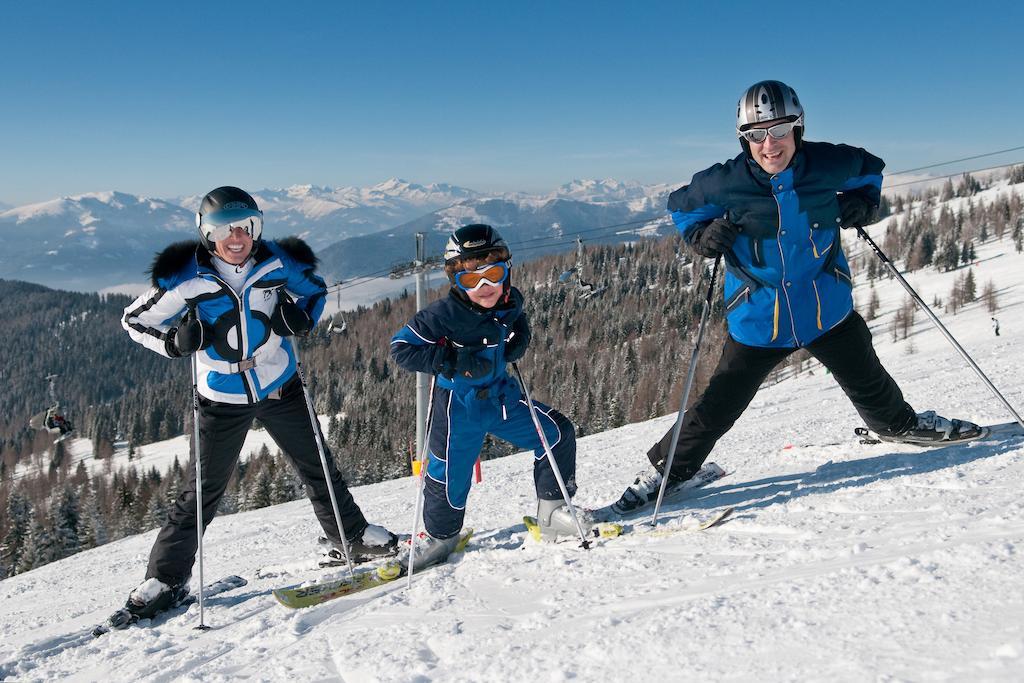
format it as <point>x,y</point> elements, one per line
<point>774,214</point>
<point>245,298</point>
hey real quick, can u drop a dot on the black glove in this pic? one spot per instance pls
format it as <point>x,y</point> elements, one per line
<point>192,335</point>
<point>715,239</point>
<point>856,210</point>
<point>468,364</point>
<point>516,346</point>
<point>444,360</point>
<point>288,320</point>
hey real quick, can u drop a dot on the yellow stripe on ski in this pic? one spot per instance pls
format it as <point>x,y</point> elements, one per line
<point>306,596</point>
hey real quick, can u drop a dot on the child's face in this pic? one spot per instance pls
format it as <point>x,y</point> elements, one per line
<point>485,297</point>
<point>489,294</point>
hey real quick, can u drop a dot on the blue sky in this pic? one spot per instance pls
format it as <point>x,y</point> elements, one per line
<point>166,99</point>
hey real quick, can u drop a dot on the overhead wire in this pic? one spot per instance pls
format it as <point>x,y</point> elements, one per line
<point>550,241</point>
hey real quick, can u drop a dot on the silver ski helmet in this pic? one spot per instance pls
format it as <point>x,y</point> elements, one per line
<point>475,241</point>
<point>768,101</point>
<point>225,208</point>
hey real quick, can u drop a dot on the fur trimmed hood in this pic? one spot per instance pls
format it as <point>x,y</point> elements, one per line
<point>175,257</point>
<point>172,260</point>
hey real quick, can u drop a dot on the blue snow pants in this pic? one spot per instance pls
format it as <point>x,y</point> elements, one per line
<point>458,426</point>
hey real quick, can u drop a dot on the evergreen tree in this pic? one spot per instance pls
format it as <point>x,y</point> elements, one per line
<point>19,525</point>
<point>64,518</point>
<point>969,287</point>
<point>39,548</point>
<point>92,529</point>
<point>156,513</point>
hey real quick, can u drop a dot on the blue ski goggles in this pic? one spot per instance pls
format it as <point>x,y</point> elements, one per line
<point>491,274</point>
<point>218,226</point>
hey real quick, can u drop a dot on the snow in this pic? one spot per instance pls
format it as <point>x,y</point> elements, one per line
<point>160,455</point>
<point>842,561</point>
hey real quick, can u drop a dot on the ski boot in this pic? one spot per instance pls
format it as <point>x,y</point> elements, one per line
<point>372,542</point>
<point>154,596</point>
<point>554,520</point>
<point>429,550</point>
<point>644,489</point>
<point>930,429</point>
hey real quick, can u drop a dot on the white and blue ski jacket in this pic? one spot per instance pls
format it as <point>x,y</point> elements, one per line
<point>247,360</point>
<point>787,280</point>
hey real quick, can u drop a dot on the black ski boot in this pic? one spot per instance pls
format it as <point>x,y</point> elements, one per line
<point>372,542</point>
<point>644,489</point>
<point>154,596</point>
<point>930,429</point>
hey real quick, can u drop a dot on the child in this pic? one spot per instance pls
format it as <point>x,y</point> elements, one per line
<point>466,339</point>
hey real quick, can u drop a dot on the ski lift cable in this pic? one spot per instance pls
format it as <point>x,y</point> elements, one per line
<point>976,156</point>
<point>951,175</point>
<point>552,241</point>
<point>640,221</point>
<point>658,217</point>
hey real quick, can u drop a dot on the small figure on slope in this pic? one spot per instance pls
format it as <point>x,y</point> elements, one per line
<point>466,339</point>
<point>774,213</point>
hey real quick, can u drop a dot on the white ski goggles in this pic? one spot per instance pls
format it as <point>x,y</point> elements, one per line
<point>778,131</point>
<point>218,226</point>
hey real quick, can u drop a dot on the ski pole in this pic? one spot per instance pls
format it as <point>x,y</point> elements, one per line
<point>315,424</point>
<point>690,373</point>
<point>420,484</point>
<point>199,480</point>
<point>585,544</point>
<point>931,316</point>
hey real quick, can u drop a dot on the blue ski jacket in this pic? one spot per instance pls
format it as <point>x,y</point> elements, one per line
<point>247,360</point>
<point>456,321</point>
<point>787,279</point>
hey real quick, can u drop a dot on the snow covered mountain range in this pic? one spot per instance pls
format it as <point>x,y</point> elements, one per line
<point>103,239</point>
<point>841,562</point>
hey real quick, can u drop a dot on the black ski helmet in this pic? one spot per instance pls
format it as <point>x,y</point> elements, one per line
<point>224,206</point>
<point>767,101</point>
<point>473,241</point>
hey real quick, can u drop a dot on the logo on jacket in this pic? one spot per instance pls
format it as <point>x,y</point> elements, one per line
<point>267,293</point>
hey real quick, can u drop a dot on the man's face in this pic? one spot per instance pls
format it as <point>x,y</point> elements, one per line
<point>235,248</point>
<point>773,155</point>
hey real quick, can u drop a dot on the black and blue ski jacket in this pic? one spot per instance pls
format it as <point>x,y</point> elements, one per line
<point>787,280</point>
<point>455,321</point>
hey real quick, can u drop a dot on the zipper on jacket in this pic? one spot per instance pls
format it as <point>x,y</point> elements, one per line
<point>782,257</point>
<point>242,337</point>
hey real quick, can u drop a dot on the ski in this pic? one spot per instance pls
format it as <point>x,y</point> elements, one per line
<point>122,618</point>
<point>614,529</point>
<point>1005,430</point>
<point>708,473</point>
<point>297,597</point>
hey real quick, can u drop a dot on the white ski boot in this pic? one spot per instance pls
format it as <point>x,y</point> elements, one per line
<point>554,521</point>
<point>429,550</point>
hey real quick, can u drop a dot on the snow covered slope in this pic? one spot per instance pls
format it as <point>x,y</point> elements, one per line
<point>842,562</point>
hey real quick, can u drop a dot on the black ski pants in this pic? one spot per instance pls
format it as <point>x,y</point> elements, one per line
<point>222,430</point>
<point>845,350</point>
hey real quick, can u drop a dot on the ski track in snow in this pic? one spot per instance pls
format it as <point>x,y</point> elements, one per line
<point>841,561</point>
